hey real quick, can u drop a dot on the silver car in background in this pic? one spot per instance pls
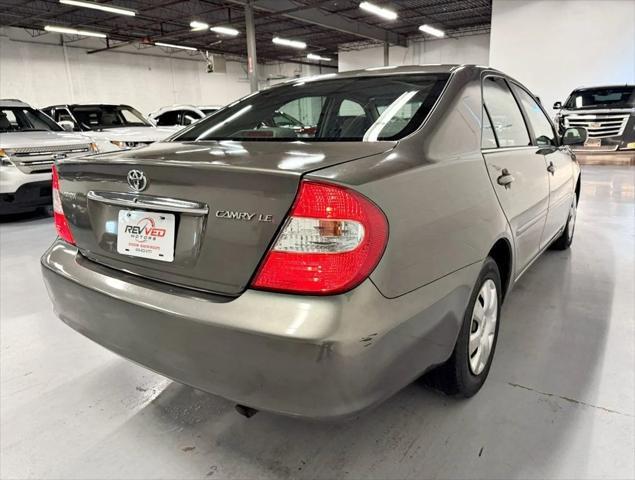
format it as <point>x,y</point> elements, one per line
<point>113,126</point>
<point>318,276</point>
<point>29,144</point>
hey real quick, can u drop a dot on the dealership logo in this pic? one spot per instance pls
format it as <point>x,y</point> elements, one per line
<point>137,180</point>
<point>146,227</point>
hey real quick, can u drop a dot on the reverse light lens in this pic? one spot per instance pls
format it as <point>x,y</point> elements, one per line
<point>61,224</point>
<point>331,242</point>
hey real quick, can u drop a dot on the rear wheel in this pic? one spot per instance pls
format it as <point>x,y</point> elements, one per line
<point>564,241</point>
<point>466,370</point>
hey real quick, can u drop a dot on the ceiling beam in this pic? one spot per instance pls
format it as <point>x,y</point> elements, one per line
<point>316,16</point>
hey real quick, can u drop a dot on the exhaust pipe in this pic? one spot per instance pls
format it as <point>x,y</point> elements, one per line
<point>245,411</point>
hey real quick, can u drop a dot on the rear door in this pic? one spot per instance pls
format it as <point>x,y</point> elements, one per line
<point>558,163</point>
<point>517,170</point>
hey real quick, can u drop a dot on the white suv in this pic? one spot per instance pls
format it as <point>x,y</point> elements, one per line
<point>30,142</point>
<point>181,115</point>
<point>112,126</point>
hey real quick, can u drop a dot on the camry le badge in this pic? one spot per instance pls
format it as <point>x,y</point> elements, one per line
<point>243,216</point>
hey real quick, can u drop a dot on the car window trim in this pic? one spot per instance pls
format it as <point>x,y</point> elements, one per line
<point>534,138</point>
<point>522,113</point>
<point>491,124</point>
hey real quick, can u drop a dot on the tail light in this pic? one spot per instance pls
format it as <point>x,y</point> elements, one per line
<point>61,224</point>
<point>330,243</point>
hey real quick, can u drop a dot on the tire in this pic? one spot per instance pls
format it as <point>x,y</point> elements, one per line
<point>565,240</point>
<point>48,210</point>
<point>463,374</point>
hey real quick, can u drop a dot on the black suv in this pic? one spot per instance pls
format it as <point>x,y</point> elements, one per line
<point>608,114</point>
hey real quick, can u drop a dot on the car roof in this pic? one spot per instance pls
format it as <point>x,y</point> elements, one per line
<point>397,70</point>
<point>88,104</point>
<point>621,85</point>
<point>13,102</point>
<point>393,70</point>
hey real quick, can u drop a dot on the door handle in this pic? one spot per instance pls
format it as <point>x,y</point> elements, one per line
<point>551,169</point>
<point>505,179</point>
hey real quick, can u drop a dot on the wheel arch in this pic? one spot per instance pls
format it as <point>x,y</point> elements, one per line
<point>501,252</point>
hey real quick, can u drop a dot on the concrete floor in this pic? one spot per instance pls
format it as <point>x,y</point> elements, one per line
<point>559,402</point>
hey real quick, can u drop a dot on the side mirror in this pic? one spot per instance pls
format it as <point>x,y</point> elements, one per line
<point>67,125</point>
<point>574,136</point>
<point>557,105</point>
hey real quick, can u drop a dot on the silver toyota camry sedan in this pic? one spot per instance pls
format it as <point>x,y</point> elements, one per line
<point>316,274</point>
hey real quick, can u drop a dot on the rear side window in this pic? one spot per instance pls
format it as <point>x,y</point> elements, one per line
<point>541,126</point>
<point>340,109</point>
<point>168,118</point>
<point>509,125</point>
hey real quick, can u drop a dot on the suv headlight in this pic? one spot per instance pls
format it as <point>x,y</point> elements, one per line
<point>119,144</point>
<point>4,159</point>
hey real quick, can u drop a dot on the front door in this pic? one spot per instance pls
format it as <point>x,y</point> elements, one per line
<point>516,168</point>
<point>558,163</point>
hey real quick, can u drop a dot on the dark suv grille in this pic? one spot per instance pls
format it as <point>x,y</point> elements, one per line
<point>40,159</point>
<point>599,125</point>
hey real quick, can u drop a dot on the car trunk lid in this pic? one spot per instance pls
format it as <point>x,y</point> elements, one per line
<point>224,202</point>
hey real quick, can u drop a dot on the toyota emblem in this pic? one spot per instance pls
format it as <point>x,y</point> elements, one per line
<point>137,180</point>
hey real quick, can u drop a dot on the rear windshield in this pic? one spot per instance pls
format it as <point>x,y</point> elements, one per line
<point>350,109</point>
<point>25,119</point>
<point>99,117</point>
<point>605,97</point>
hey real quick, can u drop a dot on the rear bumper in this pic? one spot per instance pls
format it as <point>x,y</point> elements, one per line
<point>310,356</point>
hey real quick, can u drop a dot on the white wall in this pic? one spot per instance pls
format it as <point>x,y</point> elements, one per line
<point>42,72</point>
<point>469,49</point>
<point>554,46</point>
<point>370,57</point>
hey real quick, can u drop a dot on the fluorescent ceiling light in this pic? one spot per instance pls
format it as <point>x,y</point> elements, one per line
<point>196,25</point>
<point>225,31</point>
<point>72,31</point>
<point>432,31</point>
<point>289,43</point>
<point>100,6</point>
<point>170,45</point>
<point>313,56</point>
<point>379,11</point>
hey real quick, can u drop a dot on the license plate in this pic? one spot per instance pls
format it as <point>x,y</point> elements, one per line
<point>593,142</point>
<point>146,235</point>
